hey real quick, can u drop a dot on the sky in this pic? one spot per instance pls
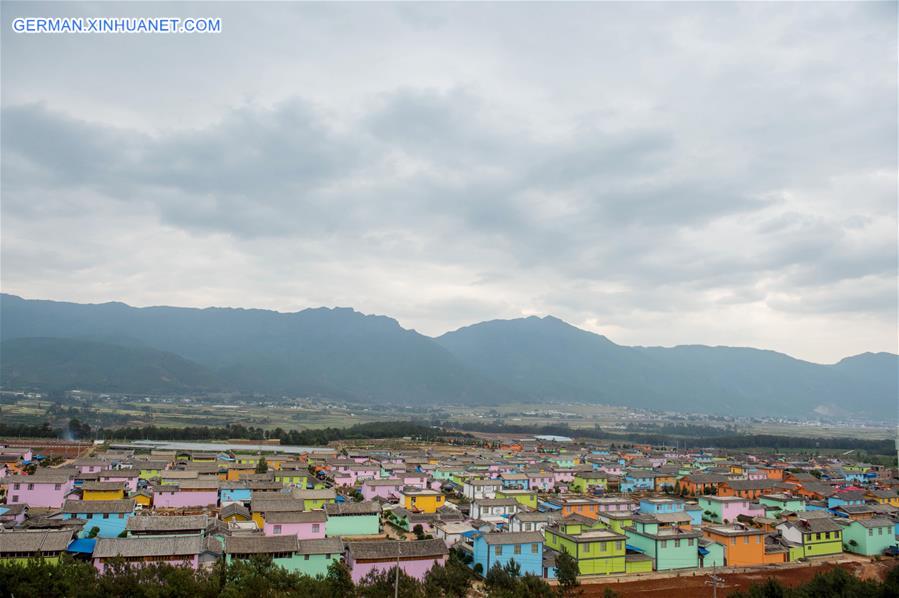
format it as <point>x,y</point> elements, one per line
<point>660,173</point>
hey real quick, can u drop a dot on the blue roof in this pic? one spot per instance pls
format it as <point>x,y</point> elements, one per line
<point>82,546</point>
<point>703,551</point>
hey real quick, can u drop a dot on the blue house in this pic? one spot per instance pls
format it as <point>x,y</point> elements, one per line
<point>235,492</point>
<point>525,548</point>
<point>109,516</point>
<point>637,480</point>
<point>852,497</point>
<point>653,506</point>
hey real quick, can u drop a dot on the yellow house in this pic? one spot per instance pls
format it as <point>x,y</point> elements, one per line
<point>884,497</point>
<point>235,470</point>
<point>143,498</point>
<point>103,491</point>
<point>426,501</point>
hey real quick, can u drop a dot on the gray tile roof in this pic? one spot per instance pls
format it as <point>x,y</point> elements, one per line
<point>352,508</point>
<point>163,523</point>
<point>260,544</point>
<point>98,506</point>
<point>391,549</point>
<point>149,546</point>
<point>35,541</point>
<point>320,546</point>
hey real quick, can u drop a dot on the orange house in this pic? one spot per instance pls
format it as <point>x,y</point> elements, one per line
<point>747,488</point>
<point>773,473</point>
<point>743,546</point>
<point>701,483</point>
<point>586,507</point>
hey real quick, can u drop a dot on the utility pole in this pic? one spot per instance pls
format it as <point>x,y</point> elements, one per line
<point>396,580</point>
<point>714,581</point>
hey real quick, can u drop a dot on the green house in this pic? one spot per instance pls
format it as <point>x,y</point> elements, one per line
<point>281,549</point>
<point>353,519</point>
<point>18,547</point>
<point>711,554</point>
<point>869,537</point>
<point>598,552</point>
<point>315,556</point>
<point>527,498</point>
<point>783,502</point>
<point>818,537</point>
<point>585,481</point>
<point>670,547</point>
<point>616,520</point>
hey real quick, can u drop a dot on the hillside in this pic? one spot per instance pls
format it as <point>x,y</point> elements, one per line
<point>342,353</point>
<point>58,363</point>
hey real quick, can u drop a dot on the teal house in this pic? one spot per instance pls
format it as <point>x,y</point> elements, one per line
<point>869,537</point>
<point>669,547</point>
<point>109,516</point>
<point>711,554</point>
<point>315,556</point>
<point>353,519</point>
<point>784,502</point>
<point>283,550</point>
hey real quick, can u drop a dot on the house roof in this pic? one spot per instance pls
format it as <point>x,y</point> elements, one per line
<point>260,544</point>
<point>148,546</point>
<point>166,523</point>
<point>35,541</point>
<point>272,505</point>
<point>513,538</point>
<point>278,517</point>
<point>320,546</point>
<point>99,506</point>
<point>352,508</point>
<point>391,549</point>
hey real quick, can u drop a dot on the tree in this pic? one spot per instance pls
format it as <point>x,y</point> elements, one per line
<point>566,573</point>
<point>451,580</point>
<point>419,531</point>
<point>93,532</point>
<point>339,580</point>
<point>262,465</point>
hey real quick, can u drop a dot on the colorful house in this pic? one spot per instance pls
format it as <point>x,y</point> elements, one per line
<point>587,481</point>
<point>415,558</point>
<point>109,516</point>
<point>726,509</point>
<point>527,498</point>
<point>314,499</point>
<point>187,493</point>
<point>315,556</point>
<point>302,524</point>
<point>743,546</point>
<point>868,537</point>
<point>386,489</point>
<point>598,552</point>
<point>171,550</point>
<point>44,489</point>
<point>818,537</point>
<point>20,546</point>
<point>525,548</point>
<point>103,491</point>
<point>353,519</point>
<point>167,525</point>
<point>281,549</point>
<point>424,500</point>
<point>670,547</point>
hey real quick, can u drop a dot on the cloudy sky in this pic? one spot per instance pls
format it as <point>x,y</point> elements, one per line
<point>659,173</point>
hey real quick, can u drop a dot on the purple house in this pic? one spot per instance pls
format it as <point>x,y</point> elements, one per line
<point>90,465</point>
<point>187,493</point>
<point>305,525</point>
<point>387,489</point>
<point>44,489</point>
<point>128,476</point>
<point>415,558</point>
<point>138,551</point>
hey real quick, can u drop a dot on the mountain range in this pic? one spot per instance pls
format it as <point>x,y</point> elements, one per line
<point>341,353</point>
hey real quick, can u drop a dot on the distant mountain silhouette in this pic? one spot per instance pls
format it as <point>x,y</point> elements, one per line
<point>342,353</point>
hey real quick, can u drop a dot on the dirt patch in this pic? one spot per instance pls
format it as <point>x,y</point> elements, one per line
<point>690,586</point>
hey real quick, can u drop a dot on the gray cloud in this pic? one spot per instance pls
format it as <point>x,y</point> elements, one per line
<point>732,180</point>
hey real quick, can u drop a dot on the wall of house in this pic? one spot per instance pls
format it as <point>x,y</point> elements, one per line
<point>417,568</point>
<point>180,499</point>
<point>352,525</point>
<point>304,531</point>
<point>41,495</point>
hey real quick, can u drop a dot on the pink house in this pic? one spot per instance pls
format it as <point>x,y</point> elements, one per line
<point>386,489</point>
<point>305,525</point>
<point>44,489</point>
<point>417,480</point>
<point>187,493</point>
<point>138,551</point>
<point>129,477</point>
<point>416,558</point>
<point>90,465</point>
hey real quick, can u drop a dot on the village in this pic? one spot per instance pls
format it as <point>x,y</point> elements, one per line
<point>619,512</point>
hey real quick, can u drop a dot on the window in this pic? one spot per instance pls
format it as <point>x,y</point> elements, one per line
<point>277,530</point>
<point>316,527</point>
<point>498,551</point>
<point>818,536</point>
<point>604,546</point>
<point>328,555</point>
<point>121,515</point>
<point>745,539</point>
<point>57,486</point>
<point>664,543</point>
<point>587,547</point>
<point>16,486</point>
<point>880,531</point>
<point>15,498</point>
<point>689,541</point>
<point>31,486</point>
<point>870,532</point>
<point>105,515</point>
<point>305,557</point>
<point>535,548</point>
<point>618,544</point>
<point>517,549</point>
<point>677,543</point>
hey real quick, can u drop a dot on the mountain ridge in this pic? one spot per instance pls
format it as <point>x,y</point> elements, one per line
<point>345,353</point>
